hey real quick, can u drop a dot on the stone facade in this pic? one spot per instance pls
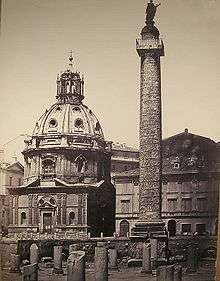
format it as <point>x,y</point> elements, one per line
<point>67,170</point>
<point>190,183</point>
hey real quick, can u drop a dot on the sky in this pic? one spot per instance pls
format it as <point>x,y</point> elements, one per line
<point>37,36</point>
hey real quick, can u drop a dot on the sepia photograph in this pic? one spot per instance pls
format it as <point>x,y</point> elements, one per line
<point>110,140</point>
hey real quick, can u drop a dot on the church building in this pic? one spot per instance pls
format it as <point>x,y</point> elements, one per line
<point>67,184</point>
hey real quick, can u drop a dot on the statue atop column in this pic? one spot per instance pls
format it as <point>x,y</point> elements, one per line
<point>150,12</point>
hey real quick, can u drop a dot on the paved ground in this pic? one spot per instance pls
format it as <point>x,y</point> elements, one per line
<point>205,273</point>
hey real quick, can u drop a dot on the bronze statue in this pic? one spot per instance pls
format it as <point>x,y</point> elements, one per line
<point>150,12</point>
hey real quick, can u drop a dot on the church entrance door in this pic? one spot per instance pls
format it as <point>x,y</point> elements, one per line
<point>47,222</point>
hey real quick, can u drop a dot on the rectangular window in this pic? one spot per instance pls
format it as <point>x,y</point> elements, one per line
<point>201,204</point>
<point>19,181</point>
<point>125,206</point>
<point>186,228</point>
<point>186,204</point>
<point>171,204</point>
<point>200,228</point>
<point>10,181</point>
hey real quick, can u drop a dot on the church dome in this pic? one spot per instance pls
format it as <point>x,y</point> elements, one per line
<point>68,123</point>
<point>68,118</point>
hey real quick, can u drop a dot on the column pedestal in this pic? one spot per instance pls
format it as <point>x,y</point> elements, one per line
<point>148,229</point>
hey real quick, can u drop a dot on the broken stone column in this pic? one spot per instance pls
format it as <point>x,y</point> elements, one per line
<point>154,254</point>
<point>146,259</point>
<point>112,259</point>
<point>34,254</point>
<point>192,259</point>
<point>101,262</point>
<point>58,260</point>
<point>76,266</point>
<point>154,246</point>
<point>165,273</point>
<point>15,263</point>
<point>178,273</point>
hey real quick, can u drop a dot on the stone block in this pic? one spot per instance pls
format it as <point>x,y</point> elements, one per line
<point>15,263</point>
<point>135,263</point>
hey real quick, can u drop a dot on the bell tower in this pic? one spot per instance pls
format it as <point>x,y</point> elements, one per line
<point>150,48</point>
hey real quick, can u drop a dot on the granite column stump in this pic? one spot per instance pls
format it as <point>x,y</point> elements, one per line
<point>146,259</point>
<point>57,260</point>
<point>112,259</point>
<point>101,262</point>
<point>34,254</point>
<point>165,273</point>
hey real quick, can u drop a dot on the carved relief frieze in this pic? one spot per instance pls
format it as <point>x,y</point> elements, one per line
<point>35,211</point>
<point>64,209</point>
<point>30,200</point>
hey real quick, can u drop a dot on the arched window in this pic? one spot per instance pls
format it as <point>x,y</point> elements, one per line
<point>81,164</point>
<point>124,228</point>
<point>23,218</point>
<point>71,218</point>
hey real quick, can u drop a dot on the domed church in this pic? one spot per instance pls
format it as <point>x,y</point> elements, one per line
<point>67,169</point>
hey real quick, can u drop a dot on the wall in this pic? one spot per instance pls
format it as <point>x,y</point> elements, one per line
<point>126,247</point>
<point>127,188</point>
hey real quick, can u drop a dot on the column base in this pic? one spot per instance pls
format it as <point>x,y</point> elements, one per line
<point>148,229</point>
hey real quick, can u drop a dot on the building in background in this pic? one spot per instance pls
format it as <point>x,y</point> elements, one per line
<point>11,174</point>
<point>67,184</point>
<point>124,158</point>
<point>4,214</point>
<point>191,178</point>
